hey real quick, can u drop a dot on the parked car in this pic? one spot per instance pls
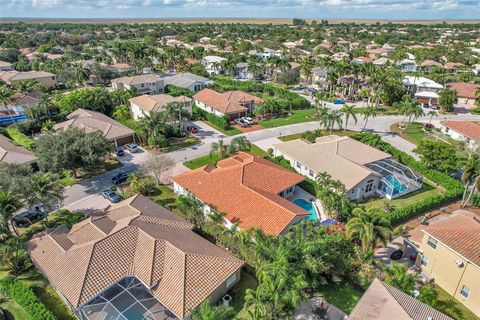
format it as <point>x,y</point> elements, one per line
<point>25,219</point>
<point>338,101</point>
<point>121,177</point>
<point>192,129</point>
<point>242,123</point>
<point>132,147</point>
<point>119,151</point>
<point>248,120</point>
<point>111,195</point>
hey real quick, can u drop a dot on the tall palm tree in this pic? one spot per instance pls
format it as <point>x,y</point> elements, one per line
<point>412,109</point>
<point>219,149</point>
<point>8,205</point>
<point>470,177</point>
<point>306,65</point>
<point>239,144</point>
<point>46,190</point>
<point>5,98</point>
<point>368,112</point>
<point>175,113</point>
<point>335,118</point>
<point>369,227</point>
<point>432,113</point>
<point>349,111</point>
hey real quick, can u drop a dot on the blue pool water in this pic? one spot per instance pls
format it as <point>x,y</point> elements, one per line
<point>307,205</point>
<point>398,187</point>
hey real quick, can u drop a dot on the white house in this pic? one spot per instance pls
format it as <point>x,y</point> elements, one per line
<point>212,64</point>
<point>145,83</point>
<point>407,65</point>
<point>188,81</point>
<point>144,105</point>
<point>416,84</point>
<point>465,131</point>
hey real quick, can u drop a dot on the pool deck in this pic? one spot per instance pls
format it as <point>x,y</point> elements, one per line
<point>302,194</point>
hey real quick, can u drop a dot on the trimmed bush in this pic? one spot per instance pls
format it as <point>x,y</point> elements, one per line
<point>20,139</point>
<point>454,188</point>
<point>221,122</point>
<point>26,298</point>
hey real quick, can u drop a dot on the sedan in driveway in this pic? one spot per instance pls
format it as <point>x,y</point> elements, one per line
<point>121,177</point>
<point>111,195</point>
<point>248,120</point>
<point>132,147</point>
<point>25,219</point>
<point>242,123</point>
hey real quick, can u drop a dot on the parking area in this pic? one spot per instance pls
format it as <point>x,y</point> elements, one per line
<point>250,128</point>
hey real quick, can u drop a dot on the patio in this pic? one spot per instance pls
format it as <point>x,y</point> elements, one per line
<point>304,195</point>
<point>317,308</point>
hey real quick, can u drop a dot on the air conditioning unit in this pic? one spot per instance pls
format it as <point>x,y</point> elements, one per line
<point>226,300</point>
<point>459,263</point>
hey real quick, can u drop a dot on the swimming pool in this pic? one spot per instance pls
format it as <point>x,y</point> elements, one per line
<point>398,187</point>
<point>307,205</point>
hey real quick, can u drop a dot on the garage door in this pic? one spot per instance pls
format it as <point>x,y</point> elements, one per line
<point>124,140</point>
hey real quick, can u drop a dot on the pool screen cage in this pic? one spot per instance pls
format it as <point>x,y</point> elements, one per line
<point>408,179</point>
<point>128,299</point>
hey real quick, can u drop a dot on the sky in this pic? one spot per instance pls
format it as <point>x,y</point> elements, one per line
<point>317,9</point>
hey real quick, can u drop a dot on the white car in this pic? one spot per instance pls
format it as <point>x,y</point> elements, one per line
<point>248,120</point>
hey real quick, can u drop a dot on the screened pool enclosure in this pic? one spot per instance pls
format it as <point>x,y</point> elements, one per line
<point>397,179</point>
<point>127,299</point>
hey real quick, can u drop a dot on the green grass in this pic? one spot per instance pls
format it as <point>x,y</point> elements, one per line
<point>66,179</point>
<point>20,139</point>
<point>298,116</point>
<point>207,159</point>
<point>13,311</point>
<point>343,296</point>
<point>450,306</point>
<point>166,198</point>
<point>247,281</point>
<point>427,190</point>
<point>180,144</point>
<point>231,131</point>
<point>296,136</point>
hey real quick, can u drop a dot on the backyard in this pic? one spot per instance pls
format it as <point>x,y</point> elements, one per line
<point>343,296</point>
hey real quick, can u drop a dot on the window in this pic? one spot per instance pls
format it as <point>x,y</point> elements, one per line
<point>311,173</point>
<point>432,242</point>
<point>299,165</point>
<point>465,291</point>
<point>369,186</point>
<point>231,280</point>
<point>424,261</point>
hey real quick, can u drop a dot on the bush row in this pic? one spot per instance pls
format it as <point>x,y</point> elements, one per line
<point>26,298</point>
<point>221,122</point>
<point>454,188</point>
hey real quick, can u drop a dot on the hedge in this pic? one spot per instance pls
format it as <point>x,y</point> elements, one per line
<point>454,188</point>
<point>26,298</point>
<point>20,139</point>
<point>221,122</point>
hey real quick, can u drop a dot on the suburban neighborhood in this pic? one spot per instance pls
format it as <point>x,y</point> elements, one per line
<point>300,169</point>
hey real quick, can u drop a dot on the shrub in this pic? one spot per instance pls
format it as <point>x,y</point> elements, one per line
<point>20,139</point>
<point>221,122</point>
<point>270,151</point>
<point>454,188</point>
<point>26,298</point>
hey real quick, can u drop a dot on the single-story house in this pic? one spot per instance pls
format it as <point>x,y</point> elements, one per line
<point>11,153</point>
<point>363,170</point>
<point>418,84</point>
<point>6,66</point>
<point>234,104</point>
<point>456,67</point>
<point>465,92</point>
<point>137,260</point>
<point>188,81</point>
<point>361,60</point>
<point>407,65</point>
<point>92,121</point>
<point>145,83</point>
<point>46,78</point>
<point>384,302</point>
<point>145,104</point>
<point>466,131</point>
<point>428,65</point>
<point>250,191</point>
<point>212,64</point>
<point>381,62</point>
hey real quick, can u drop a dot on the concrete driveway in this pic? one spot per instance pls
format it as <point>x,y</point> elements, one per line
<point>267,143</point>
<point>206,132</point>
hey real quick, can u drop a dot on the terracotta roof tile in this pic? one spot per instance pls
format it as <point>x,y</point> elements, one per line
<point>464,90</point>
<point>467,128</point>
<point>227,102</point>
<point>245,188</point>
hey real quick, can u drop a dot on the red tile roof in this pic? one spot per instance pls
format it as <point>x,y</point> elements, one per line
<point>467,128</point>
<point>464,90</point>
<point>245,187</point>
<point>461,234</point>
<point>227,102</point>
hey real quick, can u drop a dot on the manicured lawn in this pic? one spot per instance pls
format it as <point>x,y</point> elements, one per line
<point>450,306</point>
<point>343,296</point>
<point>324,133</point>
<point>247,281</point>
<point>207,159</point>
<point>20,139</point>
<point>13,311</point>
<point>298,116</point>
<point>166,198</point>
<point>426,191</point>
<point>231,131</point>
<point>180,144</point>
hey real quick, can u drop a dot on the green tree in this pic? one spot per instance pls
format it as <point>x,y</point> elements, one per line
<point>219,150</point>
<point>8,205</point>
<point>5,98</point>
<point>397,275</point>
<point>332,195</point>
<point>72,149</point>
<point>46,190</point>
<point>470,178</point>
<point>349,112</point>
<point>448,99</point>
<point>14,256</point>
<point>368,112</point>
<point>369,227</point>
<point>96,99</point>
<point>239,144</point>
<point>438,155</point>
<point>209,311</point>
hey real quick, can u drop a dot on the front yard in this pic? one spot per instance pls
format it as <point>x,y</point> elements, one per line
<point>427,190</point>
<point>298,116</point>
<point>323,132</point>
<point>231,131</point>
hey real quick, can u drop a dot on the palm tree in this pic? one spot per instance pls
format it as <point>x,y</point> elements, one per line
<point>397,275</point>
<point>239,144</point>
<point>369,227</point>
<point>412,109</point>
<point>349,111</point>
<point>256,304</point>
<point>219,150</point>
<point>5,98</point>
<point>335,118</point>
<point>470,177</point>
<point>8,205</point>
<point>306,65</point>
<point>368,112</point>
<point>175,113</point>
<point>208,311</point>
<point>432,113</point>
<point>45,189</point>
<point>82,74</point>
